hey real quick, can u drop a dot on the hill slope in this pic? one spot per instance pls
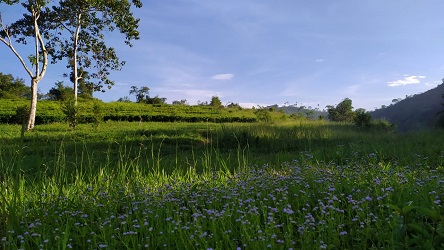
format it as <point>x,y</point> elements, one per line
<point>416,112</point>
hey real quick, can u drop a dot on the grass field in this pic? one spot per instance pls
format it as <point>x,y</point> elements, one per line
<point>287,185</point>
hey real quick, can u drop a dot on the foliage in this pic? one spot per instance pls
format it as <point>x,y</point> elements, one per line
<point>383,125</point>
<point>181,102</point>
<point>215,102</point>
<point>60,92</point>
<point>234,105</point>
<point>416,112</point>
<point>86,24</point>
<point>51,111</point>
<point>28,28</point>
<point>300,185</point>
<point>440,122</point>
<point>85,87</point>
<point>97,113</point>
<point>343,112</point>
<point>263,114</point>
<point>141,94</point>
<point>124,99</point>
<point>362,118</point>
<point>156,100</point>
<point>70,109</point>
<point>21,114</point>
<point>12,88</point>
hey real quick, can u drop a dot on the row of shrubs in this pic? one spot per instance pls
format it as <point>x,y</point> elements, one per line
<point>12,113</point>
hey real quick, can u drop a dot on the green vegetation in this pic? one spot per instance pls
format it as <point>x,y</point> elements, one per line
<point>343,112</point>
<point>75,31</point>
<point>51,111</point>
<point>13,88</point>
<point>282,185</point>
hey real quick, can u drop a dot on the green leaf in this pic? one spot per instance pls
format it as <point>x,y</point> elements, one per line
<point>406,210</point>
<point>394,207</point>
<point>419,228</point>
<point>433,214</point>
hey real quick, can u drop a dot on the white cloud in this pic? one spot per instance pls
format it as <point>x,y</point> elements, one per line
<point>406,81</point>
<point>432,84</point>
<point>222,77</point>
<point>320,60</point>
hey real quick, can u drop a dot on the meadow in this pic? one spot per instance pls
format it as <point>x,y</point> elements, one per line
<point>292,184</point>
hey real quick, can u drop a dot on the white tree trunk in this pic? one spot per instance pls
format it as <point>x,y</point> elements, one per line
<point>33,107</point>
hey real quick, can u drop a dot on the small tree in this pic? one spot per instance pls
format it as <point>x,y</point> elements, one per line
<point>70,109</point>
<point>362,118</point>
<point>124,99</point>
<point>60,92</point>
<point>97,114</point>
<point>181,102</point>
<point>343,112</point>
<point>141,94</point>
<point>215,102</point>
<point>155,100</point>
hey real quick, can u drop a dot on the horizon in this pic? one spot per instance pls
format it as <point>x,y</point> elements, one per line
<point>251,53</point>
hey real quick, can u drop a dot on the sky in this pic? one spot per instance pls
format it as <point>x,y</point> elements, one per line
<point>262,52</point>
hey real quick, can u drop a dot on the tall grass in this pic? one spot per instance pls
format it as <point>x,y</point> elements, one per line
<point>231,186</point>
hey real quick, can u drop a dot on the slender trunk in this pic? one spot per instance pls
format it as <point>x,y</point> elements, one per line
<point>39,73</point>
<point>33,107</point>
<point>76,41</point>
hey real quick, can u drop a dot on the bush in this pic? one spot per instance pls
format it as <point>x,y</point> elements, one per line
<point>97,114</point>
<point>362,119</point>
<point>263,115</point>
<point>22,114</point>
<point>383,125</point>
<point>70,109</point>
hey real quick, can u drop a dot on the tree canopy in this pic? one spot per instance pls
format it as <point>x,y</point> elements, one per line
<point>215,101</point>
<point>13,88</point>
<point>60,92</point>
<point>77,30</point>
<point>343,112</point>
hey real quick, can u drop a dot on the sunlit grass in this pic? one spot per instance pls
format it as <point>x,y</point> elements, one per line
<point>213,186</point>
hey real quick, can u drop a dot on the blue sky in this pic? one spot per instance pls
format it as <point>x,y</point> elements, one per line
<point>259,52</point>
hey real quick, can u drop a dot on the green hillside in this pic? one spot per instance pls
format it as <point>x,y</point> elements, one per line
<point>415,112</point>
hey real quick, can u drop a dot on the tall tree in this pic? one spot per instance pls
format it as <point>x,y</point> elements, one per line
<point>77,30</point>
<point>22,29</point>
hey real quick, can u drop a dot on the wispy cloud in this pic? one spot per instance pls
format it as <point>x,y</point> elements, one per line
<point>406,81</point>
<point>433,84</point>
<point>222,77</point>
<point>320,60</point>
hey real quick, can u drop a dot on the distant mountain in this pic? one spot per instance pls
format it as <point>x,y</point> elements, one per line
<point>415,112</point>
